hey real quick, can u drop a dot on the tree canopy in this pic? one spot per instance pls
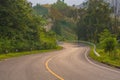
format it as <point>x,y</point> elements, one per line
<point>21,30</point>
<point>95,19</point>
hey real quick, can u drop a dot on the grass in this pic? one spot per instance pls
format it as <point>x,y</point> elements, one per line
<point>17,54</point>
<point>112,60</point>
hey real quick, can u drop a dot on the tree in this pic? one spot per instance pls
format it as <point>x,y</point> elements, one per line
<point>20,30</point>
<point>110,44</point>
<point>40,10</point>
<point>96,19</point>
<point>61,7</point>
<point>108,41</point>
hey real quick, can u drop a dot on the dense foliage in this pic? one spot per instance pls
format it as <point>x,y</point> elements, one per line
<point>95,19</point>
<point>40,10</point>
<point>108,41</point>
<point>20,30</point>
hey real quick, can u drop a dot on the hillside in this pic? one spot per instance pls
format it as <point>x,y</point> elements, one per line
<point>40,10</point>
<point>61,25</point>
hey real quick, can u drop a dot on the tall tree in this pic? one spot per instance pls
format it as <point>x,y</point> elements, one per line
<point>97,18</point>
<point>19,28</point>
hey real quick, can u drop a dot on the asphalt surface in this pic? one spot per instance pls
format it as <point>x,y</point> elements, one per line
<point>71,63</point>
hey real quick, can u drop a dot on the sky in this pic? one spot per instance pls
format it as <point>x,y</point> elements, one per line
<point>69,2</point>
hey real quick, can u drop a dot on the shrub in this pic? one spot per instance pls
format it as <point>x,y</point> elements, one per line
<point>108,41</point>
<point>109,44</point>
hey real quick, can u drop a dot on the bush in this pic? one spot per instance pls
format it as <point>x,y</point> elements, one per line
<point>24,31</point>
<point>109,44</point>
<point>5,45</point>
<point>108,41</point>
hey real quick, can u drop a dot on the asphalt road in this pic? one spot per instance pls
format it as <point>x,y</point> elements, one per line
<point>71,63</point>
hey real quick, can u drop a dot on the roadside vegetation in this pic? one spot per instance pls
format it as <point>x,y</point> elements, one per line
<point>21,29</point>
<point>109,50</point>
<point>18,54</point>
<point>98,23</point>
<point>106,58</point>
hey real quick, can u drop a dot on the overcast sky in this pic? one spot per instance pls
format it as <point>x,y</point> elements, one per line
<point>69,2</point>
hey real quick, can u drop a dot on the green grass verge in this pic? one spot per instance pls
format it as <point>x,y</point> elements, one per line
<point>106,58</point>
<point>17,54</point>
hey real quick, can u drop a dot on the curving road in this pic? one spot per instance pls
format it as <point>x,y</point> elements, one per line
<point>71,63</point>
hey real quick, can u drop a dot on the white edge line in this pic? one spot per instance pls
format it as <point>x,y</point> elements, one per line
<point>97,64</point>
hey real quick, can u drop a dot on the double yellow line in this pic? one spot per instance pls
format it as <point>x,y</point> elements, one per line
<point>53,73</point>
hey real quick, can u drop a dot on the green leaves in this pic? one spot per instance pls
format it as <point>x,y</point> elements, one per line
<point>20,30</point>
<point>105,34</point>
<point>110,44</point>
<point>95,19</point>
<point>108,41</point>
<point>40,10</point>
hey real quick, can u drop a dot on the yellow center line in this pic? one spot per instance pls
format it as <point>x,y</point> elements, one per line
<point>53,73</point>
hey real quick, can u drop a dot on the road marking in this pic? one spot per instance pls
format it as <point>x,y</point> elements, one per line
<point>53,73</point>
<point>102,67</point>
